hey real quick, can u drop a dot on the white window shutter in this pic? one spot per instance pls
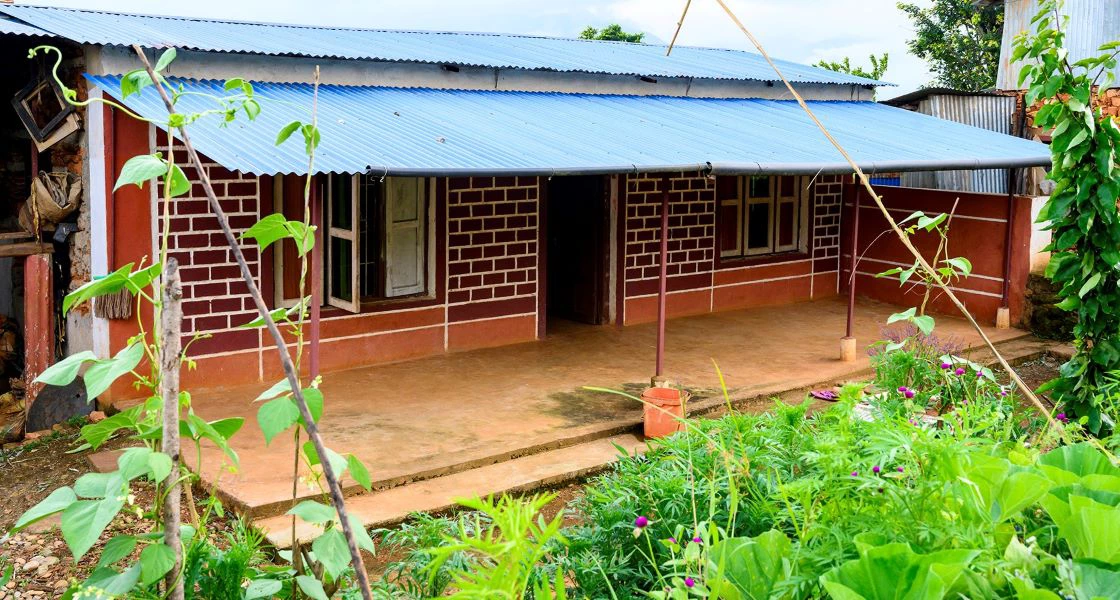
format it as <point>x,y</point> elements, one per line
<point>343,234</point>
<point>405,238</point>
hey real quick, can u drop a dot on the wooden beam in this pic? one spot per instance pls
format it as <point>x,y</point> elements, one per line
<point>25,249</point>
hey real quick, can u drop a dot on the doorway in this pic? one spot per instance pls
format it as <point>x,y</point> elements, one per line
<point>577,225</point>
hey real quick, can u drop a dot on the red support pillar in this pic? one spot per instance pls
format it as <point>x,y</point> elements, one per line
<point>1003,313</point>
<point>316,206</point>
<point>38,320</point>
<point>848,342</point>
<point>663,278</point>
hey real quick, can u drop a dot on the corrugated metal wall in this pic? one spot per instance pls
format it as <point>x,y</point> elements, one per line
<point>1091,23</point>
<point>987,112</point>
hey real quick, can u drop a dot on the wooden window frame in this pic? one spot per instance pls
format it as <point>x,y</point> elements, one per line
<point>742,253</point>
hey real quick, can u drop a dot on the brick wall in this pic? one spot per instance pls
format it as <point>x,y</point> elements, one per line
<point>491,245</point>
<point>215,299</point>
<point>828,202</point>
<point>691,244</point>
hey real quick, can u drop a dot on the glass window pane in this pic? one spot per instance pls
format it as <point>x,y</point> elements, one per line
<point>759,186</point>
<point>341,216</point>
<point>787,224</point>
<point>758,226</point>
<point>369,237</point>
<point>340,276</point>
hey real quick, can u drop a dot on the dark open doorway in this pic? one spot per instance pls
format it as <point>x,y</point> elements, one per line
<point>577,260</point>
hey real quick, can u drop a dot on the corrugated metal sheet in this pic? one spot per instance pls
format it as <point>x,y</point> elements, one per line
<point>1091,24</point>
<point>467,49</point>
<point>410,131</point>
<point>13,26</point>
<point>985,111</point>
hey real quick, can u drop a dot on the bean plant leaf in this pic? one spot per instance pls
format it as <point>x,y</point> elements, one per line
<point>140,169</point>
<point>361,535</point>
<point>337,462</point>
<point>98,433</point>
<point>160,465</point>
<point>749,567</point>
<point>287,131</point>
<point>201,429</point>
<point>179,183</point>
<point>155,562</point>
<point>111,584</point>
<point>276,227</point>
<point>84,520</point>
<point>961,264</point>
<point>102,373</point>
<point>313,512</point>
<point>314,399</point>
<point>332,552</point>
<point>311,586</point>
<point>276,416</point>
<point>66,370</point>
<point>262,588</point>
<point>165,59</point>
<point>57,501</point>
<point>359,472</point>
<point>134,81</point>
<point>110,284</point>
<point>924,323</point>
<point>280,387</point>
<point>905,315</point>
<point>115,549</point>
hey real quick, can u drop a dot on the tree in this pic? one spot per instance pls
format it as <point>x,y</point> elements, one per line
<point>612,32</point>
<point>960,39</point>
<point>878,67</point>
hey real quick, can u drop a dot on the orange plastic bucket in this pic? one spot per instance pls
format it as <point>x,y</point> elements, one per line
<point>663,406</point>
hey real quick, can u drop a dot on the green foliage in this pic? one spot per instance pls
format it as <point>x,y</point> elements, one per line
<point>895,572</point>
<point>1081,212</point>
<point>612,32</point>
<point>960,39</point>
<point>876,72</point>
<point>412,576</point>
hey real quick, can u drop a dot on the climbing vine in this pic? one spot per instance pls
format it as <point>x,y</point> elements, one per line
<point>1081,212</point>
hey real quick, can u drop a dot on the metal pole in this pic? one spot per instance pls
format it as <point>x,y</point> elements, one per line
<point>1010,232</point>
<point>316,206</point>
<point>852,267</point>
<point>662,282</point>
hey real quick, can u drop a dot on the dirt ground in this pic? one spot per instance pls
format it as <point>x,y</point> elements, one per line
<point>42,564</point>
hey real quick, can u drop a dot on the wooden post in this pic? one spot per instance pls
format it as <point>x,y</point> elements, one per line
<point>1003,313</point>
<point>170,350</point>
<point>38,320</point>
<point>316,207</point>
<point>662,281</point>
<point>848,342</point>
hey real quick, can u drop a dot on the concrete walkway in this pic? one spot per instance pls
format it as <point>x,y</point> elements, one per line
<point>431,417</point>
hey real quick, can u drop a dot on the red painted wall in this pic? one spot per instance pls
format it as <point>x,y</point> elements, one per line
<point>978,232</point>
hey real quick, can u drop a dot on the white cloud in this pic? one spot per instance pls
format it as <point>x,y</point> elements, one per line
<point>797,30</point>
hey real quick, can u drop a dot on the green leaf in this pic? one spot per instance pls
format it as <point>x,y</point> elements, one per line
<point>277,227</point>
<point>110,284</point>
<point>227,427</point>
<point>98,433</point>
<point>84,520</point>
<point>905,315</point>
<point>287,132</point>
<point>165,59</point>
<point>102,373</point>
<point>140,169</point>
<point>930,223</point>
<point>310,138</point>
<point>1089,284</point>
<point>100,485</point>
<point>115,549</point>
<point>961,264</point>
<point>110,583</point>
<point>751,567</point>
<point>313,512</point>
<point>203,429</point>
<point>58,500</point>
<point>132,463</point>
<point>894,571</point>
<point>276,416</point>
<point>262,588</point>
<point>160,465</point>
<point>134,81</point>
<point>332,552</point>
<point>280,387</point>
<point>233,84</point>
<point>361,535</point>
<point>142,278</point>
<point>314,399</point>
<point>924,323</point>
<point>66,370</point>
<point>359,472</point>
<point>179,183</point>
<point>337,462</point>
<point>311,586</point>
<point>156,560</point>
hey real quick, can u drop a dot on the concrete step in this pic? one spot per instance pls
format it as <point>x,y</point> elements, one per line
<point>392,506</point>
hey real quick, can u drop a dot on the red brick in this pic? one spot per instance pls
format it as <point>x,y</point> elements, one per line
<point>246,188</point>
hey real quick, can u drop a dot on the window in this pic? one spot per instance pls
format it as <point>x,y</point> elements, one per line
<point>760,215</point>
<point>377,241</point>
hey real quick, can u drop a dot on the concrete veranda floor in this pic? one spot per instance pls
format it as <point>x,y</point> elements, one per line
<point>431,416</point>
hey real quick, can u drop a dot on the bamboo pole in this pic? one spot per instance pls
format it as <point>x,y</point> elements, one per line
<point>170,349</point>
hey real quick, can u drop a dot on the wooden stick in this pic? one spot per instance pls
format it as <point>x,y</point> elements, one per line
<point>680,24</point>
<point>334,488</point>
<point>170,349</point>
<point>898,230</point>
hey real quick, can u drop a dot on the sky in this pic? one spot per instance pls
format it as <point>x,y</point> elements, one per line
<point>803,31</point>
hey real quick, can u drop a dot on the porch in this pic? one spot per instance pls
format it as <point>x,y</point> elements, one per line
<point>451,413</point>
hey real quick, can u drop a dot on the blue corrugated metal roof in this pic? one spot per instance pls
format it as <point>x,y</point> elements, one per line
<point>14,26</point>
<point>457,48</point>
<point>427,131</point>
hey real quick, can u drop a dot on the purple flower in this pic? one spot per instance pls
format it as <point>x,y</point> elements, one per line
<point>855,473</point>
<point>902,389</point>
<point>689,582</point>
<point>946,366</point>
<point>641,522</point>
<point>908,393</point>
<point>913,422</point>
<point>698,540</point>
<point>959,371</point>
<point>979,373</point>
<point>1002,393</point>
<point>901,470</point>
<point>875,469</point>
<point>1062,417</point>
<point>672,540</point>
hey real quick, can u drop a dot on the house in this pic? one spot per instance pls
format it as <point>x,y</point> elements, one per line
<point>477,189</point>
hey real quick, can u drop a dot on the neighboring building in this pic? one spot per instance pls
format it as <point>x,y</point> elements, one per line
<point>478,188</point>
<point>986,110</point>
